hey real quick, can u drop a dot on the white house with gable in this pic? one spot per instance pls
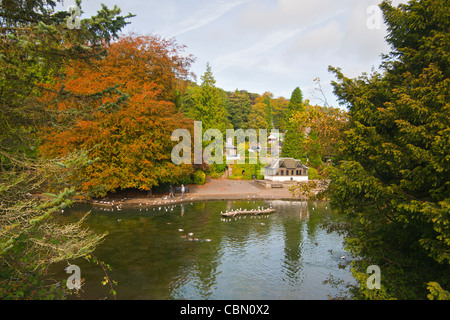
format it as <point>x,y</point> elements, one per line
<point>286,169</point>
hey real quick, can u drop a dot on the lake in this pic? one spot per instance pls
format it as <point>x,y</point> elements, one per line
<point>190,251</point>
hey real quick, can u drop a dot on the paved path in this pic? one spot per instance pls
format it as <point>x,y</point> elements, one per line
<point>227,189</point>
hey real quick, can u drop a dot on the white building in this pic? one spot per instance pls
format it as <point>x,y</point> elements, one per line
<point>230,149</point>
<point>275,138</point>
<point>286,169</point>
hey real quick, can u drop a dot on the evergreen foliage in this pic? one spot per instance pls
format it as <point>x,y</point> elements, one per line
<point>205,103</point>
<point>295,103</point>
<point>279,108</point>
<point>393,179</point>
<point>293,144</point>
<point>239,108</point>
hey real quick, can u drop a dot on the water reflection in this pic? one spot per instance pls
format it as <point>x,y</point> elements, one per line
<point>190,252</point>
<point>293,241</point>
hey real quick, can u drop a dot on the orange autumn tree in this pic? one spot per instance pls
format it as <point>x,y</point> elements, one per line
<point>119,110</point>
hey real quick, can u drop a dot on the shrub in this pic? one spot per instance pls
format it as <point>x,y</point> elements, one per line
<point>249,171</point>
<point>214,175</point>
<point>313,174</point>
<point>327,171</point>
<point>199,177</point>
<point>218,167</point>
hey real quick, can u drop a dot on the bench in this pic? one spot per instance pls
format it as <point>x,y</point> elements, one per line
<point>276,185</point>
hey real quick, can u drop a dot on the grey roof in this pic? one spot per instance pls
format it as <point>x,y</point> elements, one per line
<point>289,163</point>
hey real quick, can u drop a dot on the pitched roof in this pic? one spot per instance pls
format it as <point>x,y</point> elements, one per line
<point>289,163</point>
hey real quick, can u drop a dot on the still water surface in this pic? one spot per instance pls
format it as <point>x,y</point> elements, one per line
<point>284,255</point>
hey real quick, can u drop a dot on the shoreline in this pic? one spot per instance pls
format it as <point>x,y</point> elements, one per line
<point>152,202</point>
<point>212,190</point>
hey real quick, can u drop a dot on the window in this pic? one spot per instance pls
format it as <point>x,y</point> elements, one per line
<point>281,172</point>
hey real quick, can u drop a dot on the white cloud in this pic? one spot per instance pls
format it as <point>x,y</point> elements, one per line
<point>319,40</point>
<point>206,13</point>
<point>275,39</point>
<point>248,56</point>
<point>260,16</point>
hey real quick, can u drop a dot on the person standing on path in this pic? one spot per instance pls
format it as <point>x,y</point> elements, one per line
<point>182,191</point>
<point>171,195</point>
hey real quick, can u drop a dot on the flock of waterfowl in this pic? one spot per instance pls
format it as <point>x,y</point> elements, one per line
<point>164,204</point>
<point>168,205</point>
<point>189,237</point>
<point>241,211</point>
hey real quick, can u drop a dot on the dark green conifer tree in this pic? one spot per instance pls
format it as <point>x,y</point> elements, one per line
<point>293,144</point>
<point>239,107</point>
<point>393,179</point>
<point>205,103</point>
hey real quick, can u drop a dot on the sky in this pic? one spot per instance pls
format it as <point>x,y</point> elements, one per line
<point>265,45</point>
